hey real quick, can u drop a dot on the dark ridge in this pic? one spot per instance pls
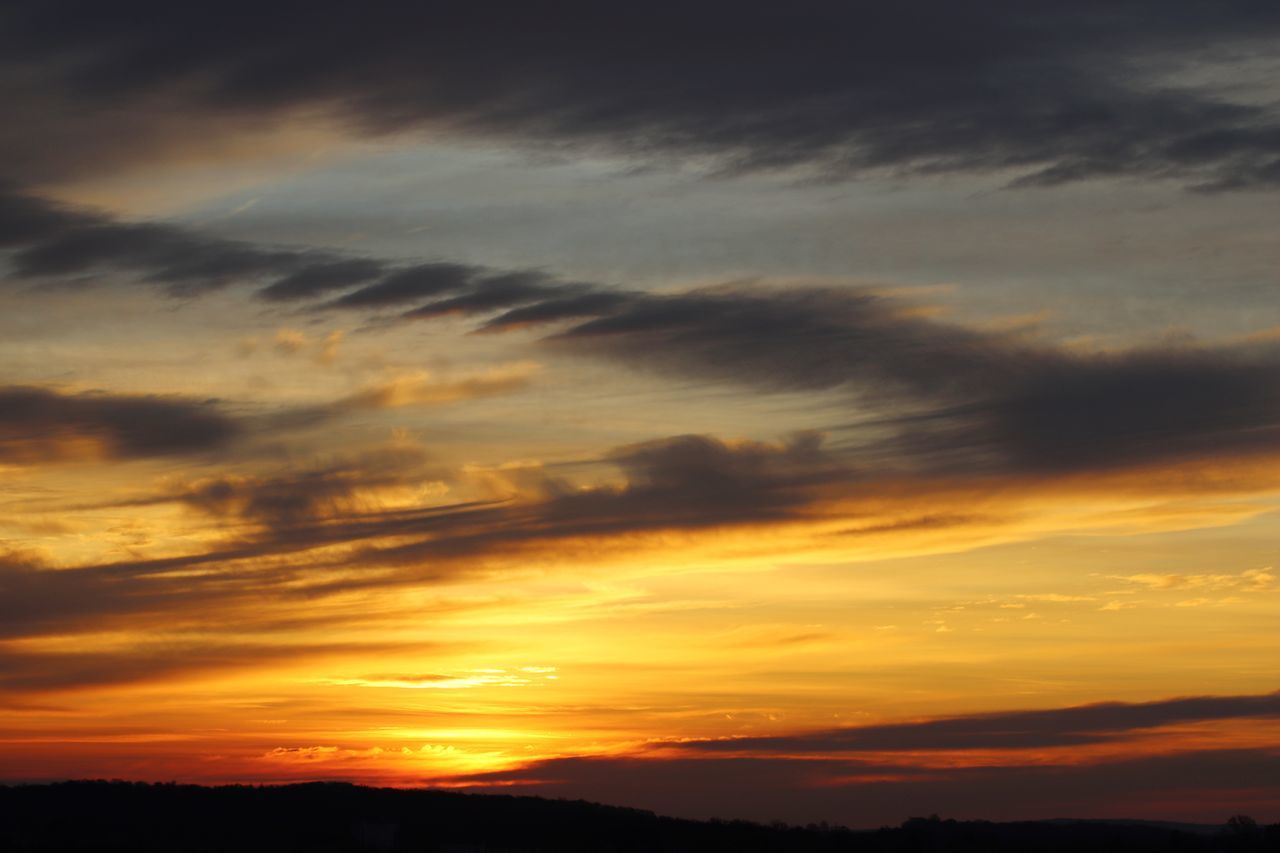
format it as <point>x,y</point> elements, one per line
<point>105,817</point>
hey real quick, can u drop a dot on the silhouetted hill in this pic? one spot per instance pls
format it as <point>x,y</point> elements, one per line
<point>1193,828</point>
<point>105,817</point>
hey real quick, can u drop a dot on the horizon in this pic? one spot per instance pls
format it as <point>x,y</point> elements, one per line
<point>1224,825</point>
<point>831,412</point>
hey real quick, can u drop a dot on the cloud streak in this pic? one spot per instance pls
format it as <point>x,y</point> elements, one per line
<point>1084,724</point>
<point>156,661</point>
<point>966,398</point>
<point>51,242</point>
<point>687,483</point>
<point>954,398</point>
<point>39,425</point>
<point>1053,94</point>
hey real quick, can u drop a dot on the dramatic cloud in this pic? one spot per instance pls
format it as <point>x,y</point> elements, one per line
<point>949,400</point>
<point>973,396</point>
<point>960,400</point>
<point>269,571</point>
<point>1183,786</point>
<point>321,278</point>
<point>956,397</point>
<point>376,502</point>
<point>39,425</point>
<point>684,483</point>
<point>807,339</point>
<point>37,599</point>
<point>1056,92</point>
<point>952,397</point>
<point>568,444</point>
<point>410,285</point>
<point>1085,724</point>
<point>496,293</point>
<point>50,241</point>
<point>699,474</point>
<point>570,307</point>
<point>47,241</point>
<point>344,488</point>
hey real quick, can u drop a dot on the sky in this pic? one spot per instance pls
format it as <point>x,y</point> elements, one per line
<point>833,411</point>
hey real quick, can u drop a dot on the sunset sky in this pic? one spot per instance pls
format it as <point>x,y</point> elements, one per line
<point>809,411</point>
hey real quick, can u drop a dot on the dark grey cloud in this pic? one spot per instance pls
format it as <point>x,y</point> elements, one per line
<point>1059,92</point>
<point>1174,786</point>
<point>689,482</point>
<point>1104,411</point>
<point>343,487</point>
<point>36,599</point>
<point>951,396</point>
<point>495,293</point>
<point>160,253</point>
<point>569,307</point>
<point>744,477</point>
<point>320,278</point>
<point>411,285</point>
<point>27,219</point>
<point>805,338</point>
<point>1085,724</point>
<point>47,241</point>
<point>39,425</point>
<point>956,398</point>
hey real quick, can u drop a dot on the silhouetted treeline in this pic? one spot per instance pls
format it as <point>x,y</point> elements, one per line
<point>113,817</point>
